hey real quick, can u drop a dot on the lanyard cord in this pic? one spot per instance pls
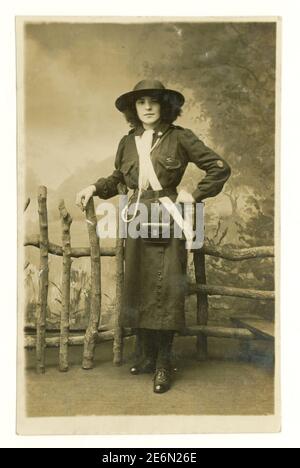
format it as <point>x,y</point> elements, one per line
<point>124,211</point>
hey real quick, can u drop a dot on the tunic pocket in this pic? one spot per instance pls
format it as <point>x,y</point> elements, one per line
<point>170,163</point>
<point>170,170</point>
<point>130,171</point>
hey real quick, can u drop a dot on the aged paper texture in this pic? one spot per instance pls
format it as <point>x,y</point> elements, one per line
<point>211,315</point>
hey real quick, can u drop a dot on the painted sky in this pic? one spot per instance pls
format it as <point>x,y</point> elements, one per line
<point>73,74</point>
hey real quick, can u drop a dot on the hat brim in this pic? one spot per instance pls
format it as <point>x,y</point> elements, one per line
<point>126,100</point>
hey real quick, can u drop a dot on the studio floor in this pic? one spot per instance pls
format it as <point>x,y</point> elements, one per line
<point>226,384</point>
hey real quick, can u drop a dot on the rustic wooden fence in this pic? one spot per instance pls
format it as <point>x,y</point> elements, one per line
<point>93,334</point>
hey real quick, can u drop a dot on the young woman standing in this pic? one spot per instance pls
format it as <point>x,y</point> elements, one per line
<point>155,273</point>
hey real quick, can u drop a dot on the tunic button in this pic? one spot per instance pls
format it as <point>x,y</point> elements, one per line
<point>220,164</point>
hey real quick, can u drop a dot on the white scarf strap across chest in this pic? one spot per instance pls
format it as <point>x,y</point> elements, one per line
<point>147,175</point>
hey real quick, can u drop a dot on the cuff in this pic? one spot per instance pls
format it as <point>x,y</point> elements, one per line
<point>101,189</point>
<point>198,195</point>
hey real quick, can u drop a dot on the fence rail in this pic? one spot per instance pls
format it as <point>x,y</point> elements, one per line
<point>92,335</point>
<point>110,335</point>
<point>76,252</point>
<point>76,340</point>
<point>226,253</point>
<point>235,255</point>
<point>229,291</point>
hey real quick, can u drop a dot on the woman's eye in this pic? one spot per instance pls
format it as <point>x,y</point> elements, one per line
<point>151,101</point>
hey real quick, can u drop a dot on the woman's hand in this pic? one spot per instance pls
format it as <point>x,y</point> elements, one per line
<point>84,195</point>
<point>185,197</point>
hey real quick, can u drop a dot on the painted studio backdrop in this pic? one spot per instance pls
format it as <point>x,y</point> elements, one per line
<point>72,76</point>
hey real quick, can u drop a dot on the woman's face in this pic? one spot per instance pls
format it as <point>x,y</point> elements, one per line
<point>148,110</point>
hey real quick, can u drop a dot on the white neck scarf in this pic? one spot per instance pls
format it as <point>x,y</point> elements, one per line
<point>144,146</point>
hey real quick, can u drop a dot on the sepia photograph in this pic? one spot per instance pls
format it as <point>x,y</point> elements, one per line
<point>148,159</point>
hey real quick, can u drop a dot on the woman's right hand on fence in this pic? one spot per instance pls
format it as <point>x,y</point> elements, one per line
<point>84,195</point>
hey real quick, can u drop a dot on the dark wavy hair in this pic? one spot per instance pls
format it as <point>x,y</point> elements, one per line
<point>169,109</point>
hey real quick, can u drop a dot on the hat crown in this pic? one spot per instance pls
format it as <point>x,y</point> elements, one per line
<point>148,84</point>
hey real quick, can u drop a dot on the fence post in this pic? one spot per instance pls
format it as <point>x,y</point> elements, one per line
<point>66,222</point>
<point>92,329</point>
<point>118,338</point>
<point>41,312</point>
<point>202,303</point>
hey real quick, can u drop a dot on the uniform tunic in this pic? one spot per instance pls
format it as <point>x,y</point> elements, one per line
<point>155,275</point>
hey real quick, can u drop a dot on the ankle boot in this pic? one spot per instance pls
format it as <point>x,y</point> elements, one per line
<point>162,378</point>
<point>147,361</point>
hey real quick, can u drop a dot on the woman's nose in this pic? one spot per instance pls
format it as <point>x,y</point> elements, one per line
<point>148,104</point>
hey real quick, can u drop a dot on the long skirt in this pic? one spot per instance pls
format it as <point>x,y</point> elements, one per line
<point>154,284</point>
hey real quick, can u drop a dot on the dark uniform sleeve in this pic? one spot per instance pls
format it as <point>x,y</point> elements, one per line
<point>217,170</point>
<point>108,187</point>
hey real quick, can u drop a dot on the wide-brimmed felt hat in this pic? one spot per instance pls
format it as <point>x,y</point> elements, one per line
<point>148,87</point>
